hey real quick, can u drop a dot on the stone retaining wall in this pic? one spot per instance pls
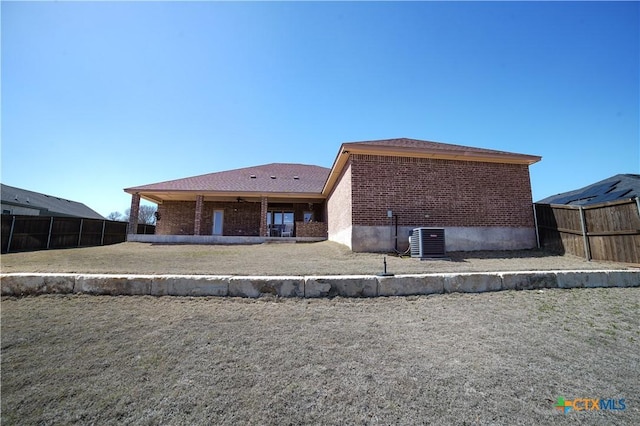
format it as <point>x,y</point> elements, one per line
<point>19,284</point>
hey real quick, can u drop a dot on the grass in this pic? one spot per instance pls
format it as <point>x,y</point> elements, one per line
<point>491,358</point>
<point>325,258</point>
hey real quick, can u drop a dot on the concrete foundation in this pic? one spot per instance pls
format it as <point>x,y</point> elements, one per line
<point>382,238</point>
<point>216,239</point>
<point>312,286</point>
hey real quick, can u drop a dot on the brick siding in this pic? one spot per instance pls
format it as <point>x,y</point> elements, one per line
<point>311,229</point>
<point>240,219</point>
<point>452,193</point>
<point>176,218</point>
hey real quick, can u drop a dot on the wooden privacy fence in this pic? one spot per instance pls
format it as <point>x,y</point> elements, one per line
<point>22,233</point>
<point>607,231</point>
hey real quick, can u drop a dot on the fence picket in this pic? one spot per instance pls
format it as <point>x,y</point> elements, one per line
<point>22,233</point>
<point>609,231</point>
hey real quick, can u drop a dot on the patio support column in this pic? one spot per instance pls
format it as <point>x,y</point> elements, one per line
<point>133,214</point>
<point>264,205</point>
<point>198,219</point>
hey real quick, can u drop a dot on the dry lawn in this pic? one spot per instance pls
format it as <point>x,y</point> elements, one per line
<point>492,358</point>
<point>325,258</point>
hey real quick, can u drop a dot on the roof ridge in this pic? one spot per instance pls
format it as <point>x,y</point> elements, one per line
<point>41,193</point>
<point>404,142</point>
<point>282,177</point>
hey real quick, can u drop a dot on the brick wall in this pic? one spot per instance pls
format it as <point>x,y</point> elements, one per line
<point>451,193</point>
<point>311,229</point>
<point>240,219</point>
<point>176,218</point>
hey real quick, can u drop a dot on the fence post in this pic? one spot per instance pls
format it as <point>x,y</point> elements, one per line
<point>587,248</point>
<point>104,222</point>
<point>80,233</point>
<point>638,204</point>
<point>13,223</point>
<point>535,223</point>
<point>50,229</point>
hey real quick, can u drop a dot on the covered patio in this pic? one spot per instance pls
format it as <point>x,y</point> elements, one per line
<point>278,201</point>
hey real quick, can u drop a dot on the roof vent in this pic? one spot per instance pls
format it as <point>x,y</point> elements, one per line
<point>273,177</point>
<point>252,176</point>
<point>296,177</point>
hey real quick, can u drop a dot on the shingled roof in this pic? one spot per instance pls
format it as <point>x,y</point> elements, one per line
<point>296,180</point>
<point>437,149</point>
<point>48,205</point>
<point>618,187</point>
<point>404,147</point>
<point>268,178</point>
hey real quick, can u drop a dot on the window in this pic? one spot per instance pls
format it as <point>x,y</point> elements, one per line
<point>308,217</point>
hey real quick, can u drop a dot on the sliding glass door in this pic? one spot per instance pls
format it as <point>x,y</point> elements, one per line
<point>280,223</point>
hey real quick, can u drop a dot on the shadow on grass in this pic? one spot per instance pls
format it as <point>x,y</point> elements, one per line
<point>466,256</point>
<point>460,256</point>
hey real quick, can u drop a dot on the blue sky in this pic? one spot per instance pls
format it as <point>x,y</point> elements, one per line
<point>97,97</point>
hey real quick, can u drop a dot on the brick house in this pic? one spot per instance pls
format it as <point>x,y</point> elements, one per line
<point>373,195</point>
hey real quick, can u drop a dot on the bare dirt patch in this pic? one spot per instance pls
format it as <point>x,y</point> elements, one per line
<point>492,358</point>
<point>325,258</point>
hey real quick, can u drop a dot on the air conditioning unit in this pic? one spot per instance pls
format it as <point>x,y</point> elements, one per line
<point>427,243</point>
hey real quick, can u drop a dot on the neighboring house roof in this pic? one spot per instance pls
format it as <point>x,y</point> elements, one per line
<point>618,187</point>
<point>268,179</point>
<point>404,147</point>
<point>49,205</point>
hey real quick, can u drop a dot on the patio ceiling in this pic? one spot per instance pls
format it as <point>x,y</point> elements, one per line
<point>159,197</point>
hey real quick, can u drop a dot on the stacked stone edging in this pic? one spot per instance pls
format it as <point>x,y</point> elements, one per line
<point>19,284</point>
